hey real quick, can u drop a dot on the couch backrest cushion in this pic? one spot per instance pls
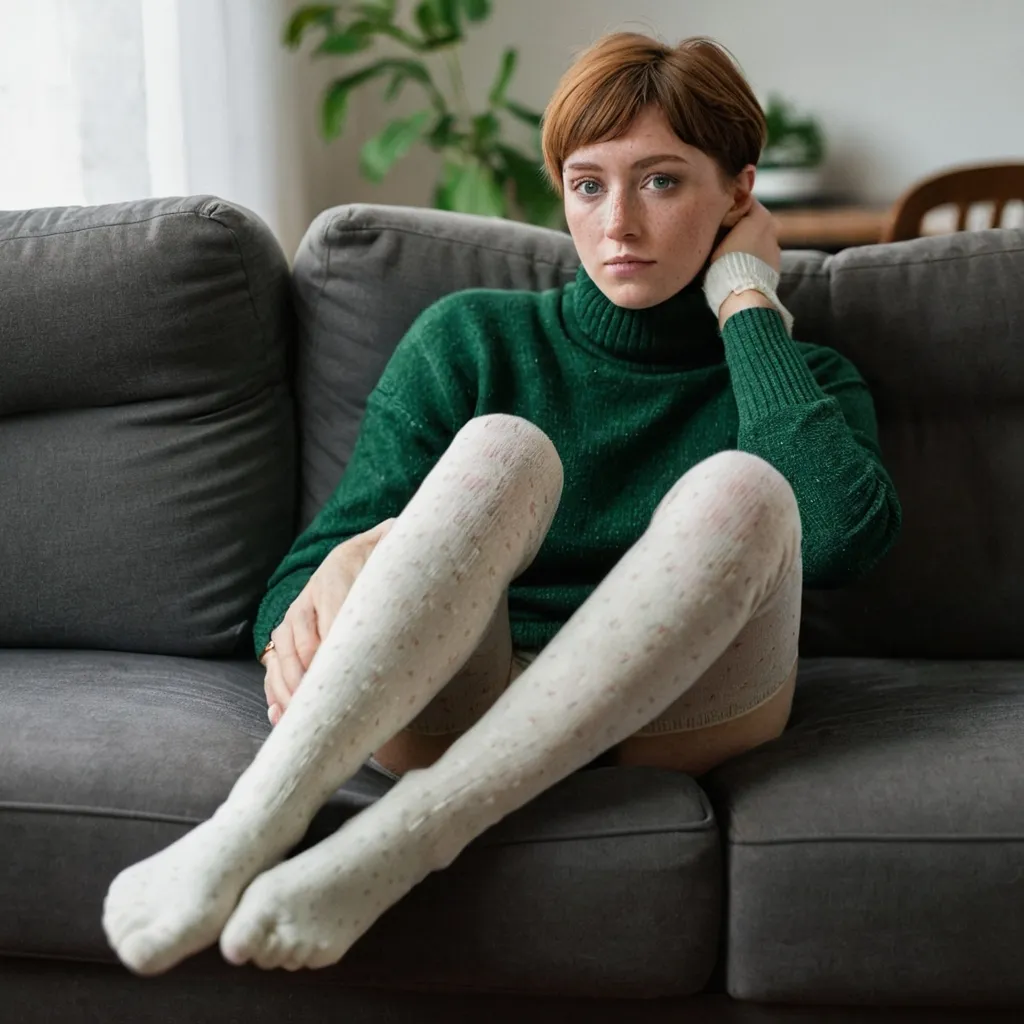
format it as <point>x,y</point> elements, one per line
<point>147,467</point>
<point>936,327</point>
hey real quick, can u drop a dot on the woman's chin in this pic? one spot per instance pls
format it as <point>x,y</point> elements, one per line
<point>634,294</point>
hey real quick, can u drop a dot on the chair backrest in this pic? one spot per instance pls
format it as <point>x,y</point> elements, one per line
<point>962,187</point>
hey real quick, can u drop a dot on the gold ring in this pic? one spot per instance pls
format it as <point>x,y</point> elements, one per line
<point>266,650</point>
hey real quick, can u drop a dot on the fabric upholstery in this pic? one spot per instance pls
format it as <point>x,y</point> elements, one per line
<point>199,992</point>
<point>874,851</point>
<point>608,884</point>
<point>936,327</point>
<point>147,482</point>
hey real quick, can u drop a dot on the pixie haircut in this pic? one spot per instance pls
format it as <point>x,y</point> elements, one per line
<point>697,85</point>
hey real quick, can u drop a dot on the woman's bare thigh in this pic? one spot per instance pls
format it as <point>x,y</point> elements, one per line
<point>699,750</point>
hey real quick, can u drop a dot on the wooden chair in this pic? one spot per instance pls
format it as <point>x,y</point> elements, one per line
<point>962,186</point>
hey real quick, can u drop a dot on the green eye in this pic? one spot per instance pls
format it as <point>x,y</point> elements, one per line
<point>662,182</point>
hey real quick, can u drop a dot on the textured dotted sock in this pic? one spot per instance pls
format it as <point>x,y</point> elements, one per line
<point>413,616</point>
<point>723,548</point>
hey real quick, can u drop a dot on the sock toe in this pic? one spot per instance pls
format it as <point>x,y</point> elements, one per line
<point>118,926</point>
<point>298,958</point>
<point>148,951</point>
<point>270,952</point>
<point>244,935</point>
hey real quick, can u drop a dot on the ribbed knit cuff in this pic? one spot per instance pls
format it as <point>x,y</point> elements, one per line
<point>735,272</point>
<point>768,373</point>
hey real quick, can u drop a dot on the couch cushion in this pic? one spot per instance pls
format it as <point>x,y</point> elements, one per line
<point>936,327</point>
<point>875,849</point>
<point>146,425</point>
<point>609,883</point>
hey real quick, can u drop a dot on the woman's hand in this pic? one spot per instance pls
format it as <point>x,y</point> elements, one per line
<point>756,232</point>
<point>310,615</point>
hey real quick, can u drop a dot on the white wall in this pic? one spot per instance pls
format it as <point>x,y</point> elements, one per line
<point>241,105</point>
<point>904,87</point>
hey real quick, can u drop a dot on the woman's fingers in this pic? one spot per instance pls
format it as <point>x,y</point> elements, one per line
<point>308,621</point>
<point>274,688</point>
<point>304,629</point>
<point>288,662</point>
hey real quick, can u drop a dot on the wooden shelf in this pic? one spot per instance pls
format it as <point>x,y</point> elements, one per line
<point>829,227</point>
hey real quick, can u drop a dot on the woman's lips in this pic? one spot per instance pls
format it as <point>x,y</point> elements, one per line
<point>629,267</point>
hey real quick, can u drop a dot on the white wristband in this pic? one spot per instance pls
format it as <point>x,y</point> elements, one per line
<point>737,272</point>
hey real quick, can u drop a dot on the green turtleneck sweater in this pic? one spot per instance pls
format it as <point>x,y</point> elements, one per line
<point>631,399</point>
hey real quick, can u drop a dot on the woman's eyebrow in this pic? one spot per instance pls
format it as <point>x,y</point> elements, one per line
<point>647,161</point>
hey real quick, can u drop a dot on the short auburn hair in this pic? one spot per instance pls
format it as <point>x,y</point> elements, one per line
<point>697,84</point>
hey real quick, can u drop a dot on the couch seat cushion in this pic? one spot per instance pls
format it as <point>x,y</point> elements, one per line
<point>607,884</point>
<point>875,850</point>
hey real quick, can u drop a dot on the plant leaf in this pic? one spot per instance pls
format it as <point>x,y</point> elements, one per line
<point>448,15</point>
<point>383,151</point>
<point>509,59</point>
<point>335,102</point>
<point>356,38</point>
<point>536,199</point>
<point>306,17</point>
<point>476,10</point>
<point>523,113</point>
<point>450,173</point>
<point>381,12</point>
<point>438,20</point>
<point>442,135</point>
<point>471,187</point>
<point>398,79</point>
<point>485,130</point>
<point>404,71</point>
<point>333,111</point>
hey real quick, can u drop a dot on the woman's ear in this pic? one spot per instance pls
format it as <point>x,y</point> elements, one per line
<point>741,190</point>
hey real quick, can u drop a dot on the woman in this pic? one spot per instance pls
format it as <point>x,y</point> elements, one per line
<point>590,513</point>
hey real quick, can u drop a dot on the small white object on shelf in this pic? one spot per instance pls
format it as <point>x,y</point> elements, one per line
<point>787,184</point>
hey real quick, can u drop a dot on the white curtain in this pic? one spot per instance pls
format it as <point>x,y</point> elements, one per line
<point>107,100</point>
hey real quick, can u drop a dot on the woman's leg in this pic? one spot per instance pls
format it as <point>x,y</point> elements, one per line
<point>740,702</point>
<point>463,701</point>
<point>415,614</point>
<point>719,552</point>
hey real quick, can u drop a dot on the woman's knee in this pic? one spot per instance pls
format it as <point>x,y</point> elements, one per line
<point>736,488</point>
<point>510,439</point>
<point>508,456</point>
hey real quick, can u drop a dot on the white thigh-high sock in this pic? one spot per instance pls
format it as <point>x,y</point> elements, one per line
<point>413,617</point>
<point>720,549</point>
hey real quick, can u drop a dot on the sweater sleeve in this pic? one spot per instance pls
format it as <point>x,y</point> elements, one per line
<point>814,419</point>
<point>408,425</point>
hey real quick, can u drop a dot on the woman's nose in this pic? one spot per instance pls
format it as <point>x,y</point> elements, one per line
<point>623,217</point>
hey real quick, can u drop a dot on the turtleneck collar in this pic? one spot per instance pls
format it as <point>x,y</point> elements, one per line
<point>679,333</point>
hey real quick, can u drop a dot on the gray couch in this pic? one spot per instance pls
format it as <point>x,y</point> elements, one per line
<point>175,403</point>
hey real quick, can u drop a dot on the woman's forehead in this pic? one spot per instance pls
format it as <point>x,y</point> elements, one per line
<point>650,135</point>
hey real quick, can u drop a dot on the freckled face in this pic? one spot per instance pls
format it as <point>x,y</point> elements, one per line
<point>647,197</point>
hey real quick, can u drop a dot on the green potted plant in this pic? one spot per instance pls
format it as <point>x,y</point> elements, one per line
<point>790,166</point>
<point>482,171</point>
